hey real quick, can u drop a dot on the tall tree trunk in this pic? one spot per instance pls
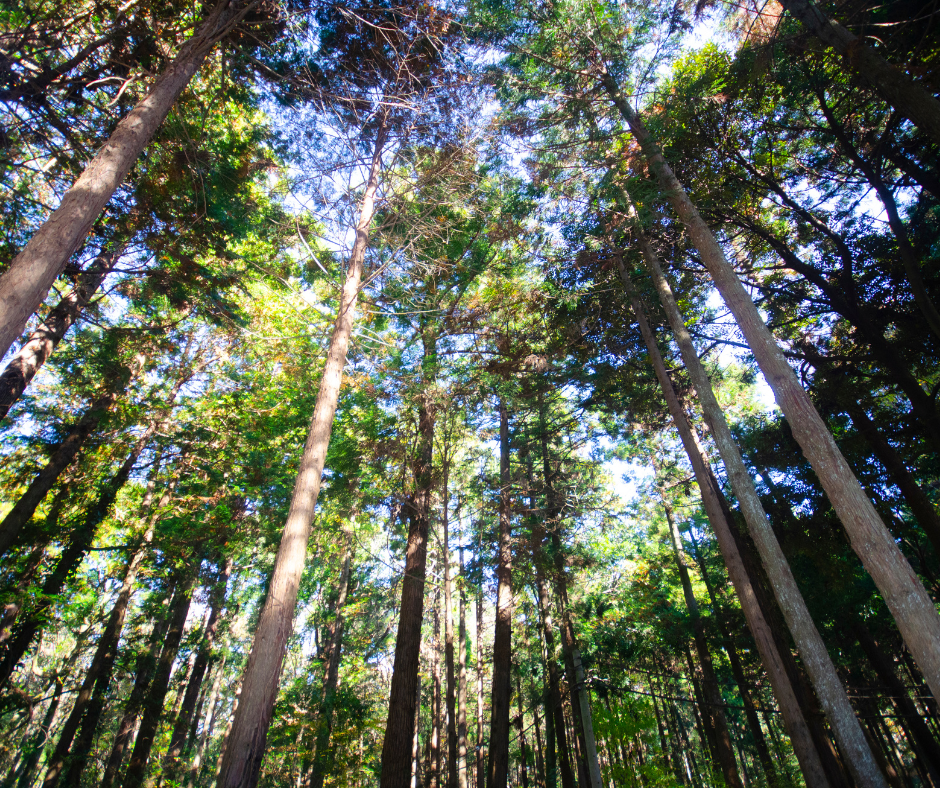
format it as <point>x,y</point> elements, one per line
<point>34,270</point>
<point>322,758</point>
<point>23,510</point>
<point>555,711</point>
<point>450,685</point>
<point>208,725</point>
<point>480,748</point>
<point>68,562</point>
<point>714,708</point>
<point>27,767</point>
<point>462,683</point>
<point>498,766</point>
<point>146,664</point>
<point>245,750</point>
<point>153,704</point>
<point>434,740</point>
<point>172,761</point>
<point>925,745</point>
<point>520,724</point>
<point>912,608</point>
<point>719,516</point>
<point>908,97</point>
<point>808,641</point>
<point>37,348</point>
<point>737,669</point>
<point>89,705</point>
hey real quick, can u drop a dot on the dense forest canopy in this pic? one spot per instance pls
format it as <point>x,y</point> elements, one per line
<point>469,395</point>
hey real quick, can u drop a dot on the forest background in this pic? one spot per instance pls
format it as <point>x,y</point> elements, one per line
<point>485,394</point>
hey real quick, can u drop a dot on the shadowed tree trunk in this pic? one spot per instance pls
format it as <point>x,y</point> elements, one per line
<point>172,761</point>
<point>450,682</point>
<point>719,517</point>
<point>153,703</point>
<point>23,510</point>
<point>208,725</point>
<point>908,97</point>
<point>403,698</point>
<point>462,682</point>
<point>245,748</point>
<point>146,664</point>
<point>912,608</point>
<point>322,758</point>
<point>711,690</point>
<point>498,766</point>
<point>809,643</point>
<point>89,705</point>
<point>34,270</point>
<point>37,348</point>
<point>68,562</point>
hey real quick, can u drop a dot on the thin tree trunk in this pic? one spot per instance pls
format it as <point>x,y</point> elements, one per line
<point>462,683</point>
<point>245,751</point>
<point>89,705</point>
<point>322,758</point>
<point>912,608</point>
<point>450,685</point>
<point>146,664</point>
<point>811,647</point>
<point>153,704</point>
<point>402,708</point>
<point>714,702</point>
<point>172,764</point>
<point>71,557</point>
<point>34,270</point>
<point>908,97</point>
<point>480,748</point>
<point>737,669</point>
<point>37,348</point>
<point>208,725</point>
<point>23,510</point>
<point>719,517</point>
<point>520,723</point>
<point>435,755</point>
<point>34,752</point>
<point>925,745</point>
<point>498,766</point>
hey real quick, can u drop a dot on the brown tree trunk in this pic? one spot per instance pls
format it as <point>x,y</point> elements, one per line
<point>480,748</point>
<point>718,516</point>
<point>912,608</point>
<point>737,669</point>
<point>908,97</point>
<point>498,766</point>
<point>172,764</point>
<point>449,671</point>
<point>208,725</point>
<point>402,706</point>
<point>924,744</point>
<point>462,683</point>
<point>156,695</point>
<point>322,758</point>
<point>68,562</point>
<point>810,644</point>
<point>23,510</point>
<point>34,270</point>
<point>37,348</point>
<point>714,708</point>
<point>89,705</point>
<point>245,750</point>
<point>146,663</point>
<point>520,724</point>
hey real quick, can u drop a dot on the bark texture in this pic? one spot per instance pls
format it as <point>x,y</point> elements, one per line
<point>245,748</point>
<point>33,271</point>
<point>912,608</point>
<point>37,348</point>
<point>809,643</point>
